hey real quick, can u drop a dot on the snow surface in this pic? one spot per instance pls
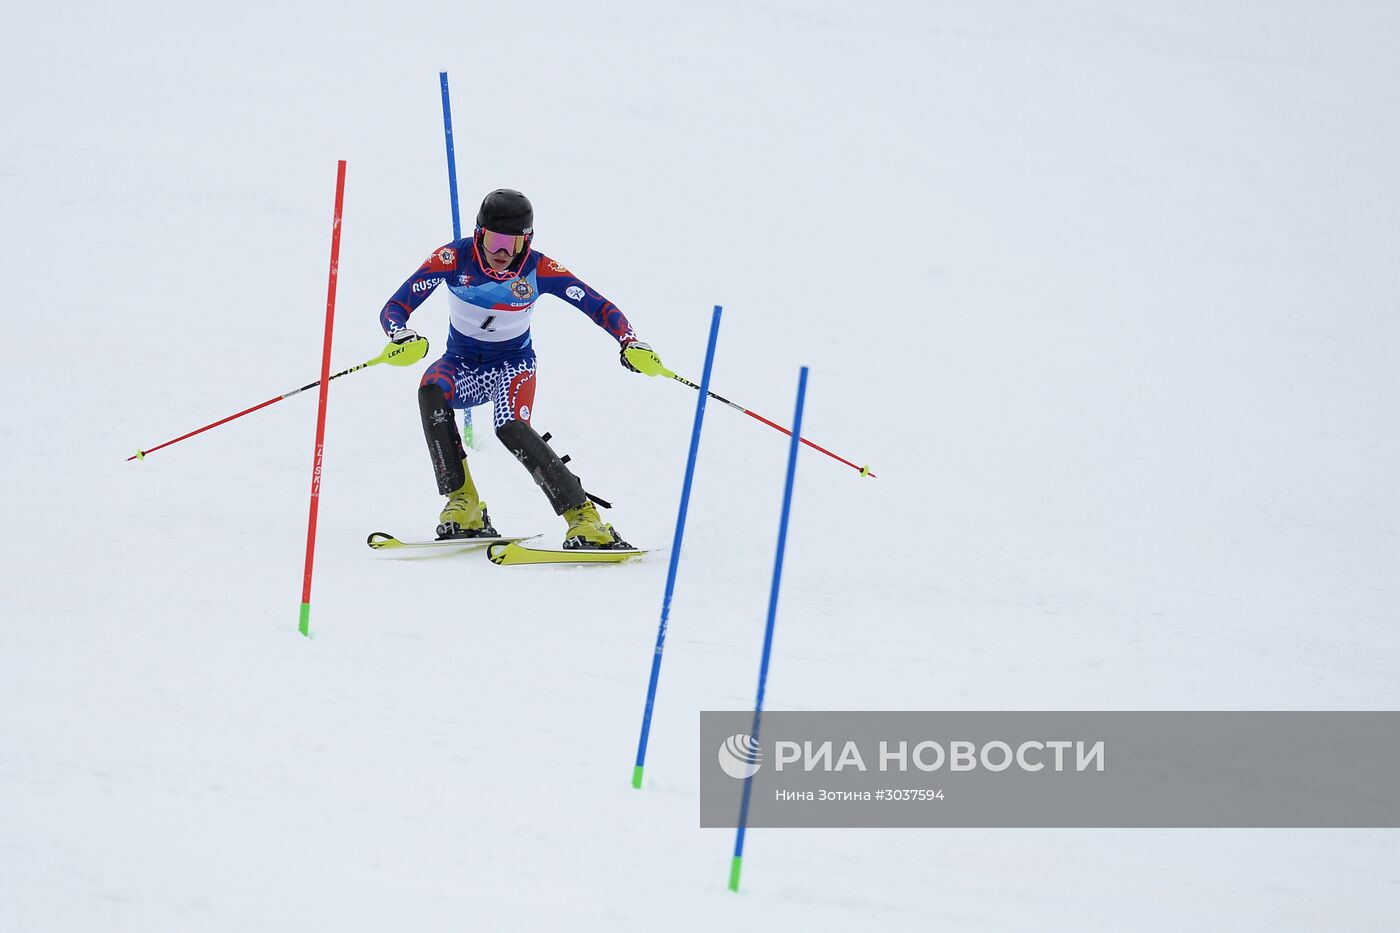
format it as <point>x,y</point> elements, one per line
<point>1104,291</point>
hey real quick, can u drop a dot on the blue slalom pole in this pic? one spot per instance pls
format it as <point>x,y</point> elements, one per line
<point>736,865</point>
<point>676,548</point>
<point>467,435</point>
<point>451,157</point>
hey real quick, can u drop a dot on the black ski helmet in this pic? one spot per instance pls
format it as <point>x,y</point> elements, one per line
<point>506,210</point>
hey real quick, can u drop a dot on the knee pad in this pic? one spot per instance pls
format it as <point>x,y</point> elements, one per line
<point>444,443</point>
<point>559,485</point>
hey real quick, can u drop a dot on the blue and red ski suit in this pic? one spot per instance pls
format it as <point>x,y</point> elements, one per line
<point>489,357</point>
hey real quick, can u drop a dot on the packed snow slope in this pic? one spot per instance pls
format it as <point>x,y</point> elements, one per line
<point>1104,292</point>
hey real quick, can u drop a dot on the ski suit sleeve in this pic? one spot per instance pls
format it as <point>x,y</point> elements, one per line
<point>434,270</point>
<point>554,279</point>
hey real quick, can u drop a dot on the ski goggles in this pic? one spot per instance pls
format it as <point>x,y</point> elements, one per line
<point>495,242</point>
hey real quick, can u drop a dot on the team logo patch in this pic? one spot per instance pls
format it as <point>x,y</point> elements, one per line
<point>447,255</point>
<point>557,269</point>
<point>574,292</point>
<point>522,289</point>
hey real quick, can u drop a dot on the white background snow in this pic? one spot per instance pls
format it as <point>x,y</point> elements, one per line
<point>1105,292</point>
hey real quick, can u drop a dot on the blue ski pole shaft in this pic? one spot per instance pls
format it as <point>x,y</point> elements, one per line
<point>676,549</point>
<point>736,864</point>
<point>451,157</point>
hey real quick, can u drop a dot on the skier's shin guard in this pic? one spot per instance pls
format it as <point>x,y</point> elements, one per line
<point>560,486</point>
<point>444,443</point>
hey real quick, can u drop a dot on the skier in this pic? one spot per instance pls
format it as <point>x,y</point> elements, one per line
<point>493,279</point>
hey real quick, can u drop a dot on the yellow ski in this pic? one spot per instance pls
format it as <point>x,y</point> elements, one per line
<point>382,541</point>
<point>513,553</point>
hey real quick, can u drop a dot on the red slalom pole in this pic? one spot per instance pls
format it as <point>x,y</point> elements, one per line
<point>304,625</point>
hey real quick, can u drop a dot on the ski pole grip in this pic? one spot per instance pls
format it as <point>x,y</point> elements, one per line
<point>405,354</point>
<point>644,361</point>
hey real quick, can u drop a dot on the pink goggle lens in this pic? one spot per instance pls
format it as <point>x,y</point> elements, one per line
<point>495,242</point>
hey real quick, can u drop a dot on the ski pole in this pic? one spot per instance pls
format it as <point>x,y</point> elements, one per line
<point>646,361</point>
<point>395,354</point>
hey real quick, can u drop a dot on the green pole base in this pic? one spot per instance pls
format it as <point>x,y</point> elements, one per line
<point>637,777</point>
<point>734,868</point>
<point>304,625</point>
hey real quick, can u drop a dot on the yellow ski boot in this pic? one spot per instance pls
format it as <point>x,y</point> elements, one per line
<point>464,516</point>
<point>587,530</point>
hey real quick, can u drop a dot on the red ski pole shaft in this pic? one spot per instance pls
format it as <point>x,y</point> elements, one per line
<point>141,454</point>
<point>863,470</point>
